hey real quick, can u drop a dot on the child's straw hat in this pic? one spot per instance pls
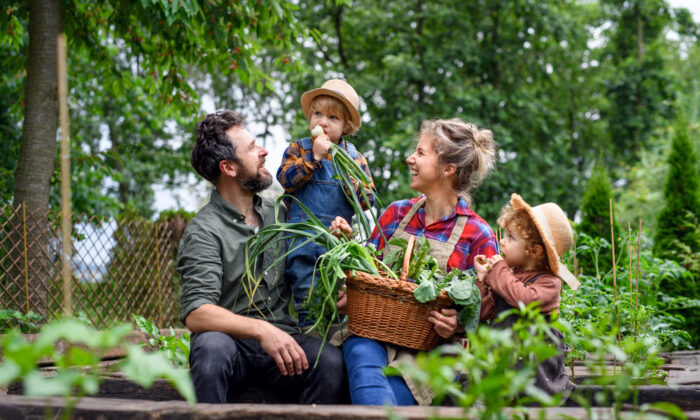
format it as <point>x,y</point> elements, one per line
<point>556,233</point>
<point>340,90</point>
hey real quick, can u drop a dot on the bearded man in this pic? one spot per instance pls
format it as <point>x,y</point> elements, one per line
<point>237,339</point>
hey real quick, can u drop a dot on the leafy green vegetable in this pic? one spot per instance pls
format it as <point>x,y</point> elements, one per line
<point>176,349</point>
<point>425,292</point>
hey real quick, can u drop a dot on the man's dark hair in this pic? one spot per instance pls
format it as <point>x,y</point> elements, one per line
<point>213,144</point>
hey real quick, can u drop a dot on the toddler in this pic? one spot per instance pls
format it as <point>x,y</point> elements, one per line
<point>307,173</point>
<point>530,271</point>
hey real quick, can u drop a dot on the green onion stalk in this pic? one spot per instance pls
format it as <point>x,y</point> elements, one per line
<point>346,169</point>
<point>344,254</point>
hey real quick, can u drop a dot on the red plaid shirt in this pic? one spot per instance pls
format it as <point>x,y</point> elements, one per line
<point>477,236</point>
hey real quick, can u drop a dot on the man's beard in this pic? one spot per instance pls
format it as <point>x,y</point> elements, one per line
<point>255,182</point>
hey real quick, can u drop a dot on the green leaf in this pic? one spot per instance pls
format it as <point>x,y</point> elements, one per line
<point>9,371</point>
<point>36,385</point>
<point>143,368</point>
<point>425,292</point>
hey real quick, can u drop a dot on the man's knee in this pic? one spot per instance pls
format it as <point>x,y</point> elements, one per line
<point>213,352</point>
<point>331,359</point>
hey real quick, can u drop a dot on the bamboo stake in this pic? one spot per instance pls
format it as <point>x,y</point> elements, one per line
<point>636,288</point>
<point>26,264</point>
<point>629,248</point>
<point>159,275</point>
<point>617,311</point>
<point>576,273</point>
<point>66,228</point>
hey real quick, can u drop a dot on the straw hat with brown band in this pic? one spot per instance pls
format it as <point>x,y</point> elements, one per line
<point>340,90</point>
<point>556,233</point>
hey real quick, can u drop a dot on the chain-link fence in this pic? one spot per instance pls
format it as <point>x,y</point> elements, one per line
<point>120,267</point>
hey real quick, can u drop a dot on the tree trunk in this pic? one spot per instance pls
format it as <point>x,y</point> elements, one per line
<point>38,149</point>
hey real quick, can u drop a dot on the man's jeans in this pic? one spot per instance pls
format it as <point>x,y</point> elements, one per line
<point>221,366</point>
<point>364,359</point>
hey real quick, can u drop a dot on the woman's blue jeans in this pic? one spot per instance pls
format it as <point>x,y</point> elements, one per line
<point>364,360</point>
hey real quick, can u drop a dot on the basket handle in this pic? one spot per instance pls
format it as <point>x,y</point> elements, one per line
<point>407,258</point>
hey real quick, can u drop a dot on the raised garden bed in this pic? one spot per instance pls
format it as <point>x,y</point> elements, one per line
<point>16,407</point>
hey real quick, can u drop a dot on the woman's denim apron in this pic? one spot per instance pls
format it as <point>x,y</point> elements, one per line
<point>323,195</point>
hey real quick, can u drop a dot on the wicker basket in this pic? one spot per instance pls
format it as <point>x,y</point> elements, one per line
<point>384,309</point>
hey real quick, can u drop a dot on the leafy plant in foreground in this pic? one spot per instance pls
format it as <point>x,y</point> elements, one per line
<point>78,370</point>
<point>498,369</point>
<point>176,349</point>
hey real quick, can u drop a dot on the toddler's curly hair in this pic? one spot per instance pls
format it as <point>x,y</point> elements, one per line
<point>519,221</point>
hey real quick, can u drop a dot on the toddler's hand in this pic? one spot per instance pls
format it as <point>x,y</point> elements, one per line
<point>339,227</point>
<point>355,183</point>
<point>321,145</point>
<point>482,265</point>
<point>493,260</point>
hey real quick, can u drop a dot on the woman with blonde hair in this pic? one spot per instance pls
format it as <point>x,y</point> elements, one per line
<point>451,158</point>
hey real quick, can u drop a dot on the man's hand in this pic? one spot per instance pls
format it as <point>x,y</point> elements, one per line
<point>289,356</point>
<point>445,321</point>
<point>321,145</point>
<point>340,226</point>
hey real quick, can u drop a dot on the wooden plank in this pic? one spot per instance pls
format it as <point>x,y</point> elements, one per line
<point>17,407</point>
<point>686,397</point>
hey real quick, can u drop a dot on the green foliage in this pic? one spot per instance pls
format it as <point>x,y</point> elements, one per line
<point>520,69</point>
<point>498,368</point>
<point>130,125</point>
<point>78,361</point>
<point>27,323</point>
<point>176,349</point>
<point>678,233</point>
<point>646,308</point>
<point>635,361</point>
<point>638,84</point>
<point>595,215</point>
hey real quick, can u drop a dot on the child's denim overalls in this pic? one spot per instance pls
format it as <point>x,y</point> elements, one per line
<point>323,196</point>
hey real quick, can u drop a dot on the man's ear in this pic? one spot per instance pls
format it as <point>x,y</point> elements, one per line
<point>227,168</point>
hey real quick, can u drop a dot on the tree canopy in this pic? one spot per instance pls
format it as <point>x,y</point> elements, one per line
<point>561,84</point>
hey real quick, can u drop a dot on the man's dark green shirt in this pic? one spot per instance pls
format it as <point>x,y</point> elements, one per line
<point>211,263</point>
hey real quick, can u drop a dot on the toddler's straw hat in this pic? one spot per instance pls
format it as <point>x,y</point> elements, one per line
<point>340,90</point>
<point>556,233</point>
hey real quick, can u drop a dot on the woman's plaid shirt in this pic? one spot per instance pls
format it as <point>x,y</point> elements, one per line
<point>477,236</point>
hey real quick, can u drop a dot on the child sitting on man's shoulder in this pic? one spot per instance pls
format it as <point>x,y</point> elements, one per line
<point>530,271</point>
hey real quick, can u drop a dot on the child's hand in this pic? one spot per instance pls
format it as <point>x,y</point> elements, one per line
<point>340,227</point>
<point>493,260</point>
<point>321,143</point>
<point>355,183</point>
<point>482,265</point>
